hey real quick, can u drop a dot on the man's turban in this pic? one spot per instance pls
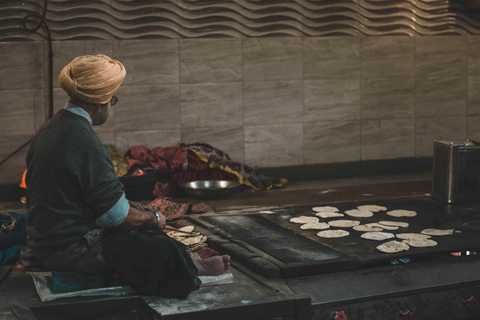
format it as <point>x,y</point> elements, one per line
<point>92,79</point>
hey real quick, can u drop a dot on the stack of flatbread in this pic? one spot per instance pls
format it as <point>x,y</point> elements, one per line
<point>193,240</point>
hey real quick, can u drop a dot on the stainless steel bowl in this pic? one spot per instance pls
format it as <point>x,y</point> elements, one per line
<point>210,189</point>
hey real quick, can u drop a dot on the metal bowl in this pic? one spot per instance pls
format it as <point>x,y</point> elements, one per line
<point>210,189</point>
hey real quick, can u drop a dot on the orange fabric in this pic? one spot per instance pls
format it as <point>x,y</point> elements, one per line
<point>23,184</point>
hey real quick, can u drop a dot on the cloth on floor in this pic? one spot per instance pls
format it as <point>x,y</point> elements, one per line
<point>244,173</point>
<point>172,210</point>
<point>12,236</point>
<point>188,162</point>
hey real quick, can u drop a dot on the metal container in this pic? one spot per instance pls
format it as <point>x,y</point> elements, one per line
<point>456,171</point>
<point>210,189</point>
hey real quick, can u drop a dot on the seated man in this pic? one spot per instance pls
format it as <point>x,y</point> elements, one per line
<point>78,216</point>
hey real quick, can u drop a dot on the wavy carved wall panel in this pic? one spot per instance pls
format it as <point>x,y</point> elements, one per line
<point>127,19</point>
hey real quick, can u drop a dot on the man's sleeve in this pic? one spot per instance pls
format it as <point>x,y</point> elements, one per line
<point>115,215</point>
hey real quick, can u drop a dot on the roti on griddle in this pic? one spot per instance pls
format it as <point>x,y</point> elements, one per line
<point>394,224</point>
<point>376,224</point>
<point>366,228</point>
<point>378,236</point>
<point>402,213</point>
<point>304,219</point>
<point>344,223</point>
<point>326,215</point>
<point>437,232</point>
<point>412,236</point>
<point>393,246</point>
<point>372,208</point>
<point>359,213</point>
<point>315,226</point>
<point>333,233</point>
<point>421,243</point>
<point>325,209</point>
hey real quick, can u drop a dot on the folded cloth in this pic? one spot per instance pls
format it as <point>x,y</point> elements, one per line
<point>172,210</point>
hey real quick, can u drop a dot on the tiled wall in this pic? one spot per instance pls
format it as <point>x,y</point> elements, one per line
<point>268,102</point>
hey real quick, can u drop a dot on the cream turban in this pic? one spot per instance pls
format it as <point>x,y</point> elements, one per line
<point>92,79</point>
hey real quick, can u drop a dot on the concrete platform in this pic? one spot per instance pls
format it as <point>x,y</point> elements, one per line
<point>251,295</point>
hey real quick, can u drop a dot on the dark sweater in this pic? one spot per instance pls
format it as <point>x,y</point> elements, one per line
<point>70,181</point>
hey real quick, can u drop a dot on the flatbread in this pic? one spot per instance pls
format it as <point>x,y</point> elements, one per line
<point>393,246</point>
<point>344,223</point>
<point>359,213</point>
<point>394,224</point>
<point>326,215</point>
<point>189,241</point>
<point>187,228</point>
<point>315,226</point>
<point>402,213</point>
<point>372,208</point>
<point>437,232</point>
<point>325,209</point>
<point>304,219</point>
<point>333,233</point>
<point>376,224</point>
<point>366,228</point>
<point>421,243</point>
<point>412,236</point>
<point>378,236</point>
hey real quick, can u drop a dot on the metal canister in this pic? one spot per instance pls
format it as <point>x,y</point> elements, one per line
<point>456,171</point>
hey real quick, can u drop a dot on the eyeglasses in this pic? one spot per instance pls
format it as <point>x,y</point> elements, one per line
<point>113,101</point>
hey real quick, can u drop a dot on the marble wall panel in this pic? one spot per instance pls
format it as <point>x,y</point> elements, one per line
<point>274,145</point>
<point>474,55</point>
<point>148,62</point>
<point>271,59</point>
<point>437,128</point>
<point>331,142</point>
<point>387,56</point>
<point>442,56</point>
<point>65,51</point>
<point>141,108</point>
<point>210,60</point>
<point>331,58</point>
<point>227,139</point>
<point>332,100</point>
<point>211,104</point>
<point>387,98</point>
<point>23,66</point>
<point>20,109</point>
<point>473,95</point>
<point>473,127</point>
<point>148,138</point>
<point>272,102</point>
<point>387,139</point>
<point>440,96</point>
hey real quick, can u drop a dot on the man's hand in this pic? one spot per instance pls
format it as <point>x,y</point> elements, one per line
<point>139,215</point>
<point>160,218</point>
<point>137,205</point>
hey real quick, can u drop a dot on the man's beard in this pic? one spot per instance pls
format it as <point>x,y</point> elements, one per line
<point>102,116</point>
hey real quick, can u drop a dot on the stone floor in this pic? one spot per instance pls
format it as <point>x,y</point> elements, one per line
<point>247,287</point>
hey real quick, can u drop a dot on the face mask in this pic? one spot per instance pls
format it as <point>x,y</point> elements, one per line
<point>102,116</point>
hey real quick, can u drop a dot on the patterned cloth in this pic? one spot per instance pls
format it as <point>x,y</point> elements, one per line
<point>172,210</point>
<point>12,236</point>
<point>188,162</point>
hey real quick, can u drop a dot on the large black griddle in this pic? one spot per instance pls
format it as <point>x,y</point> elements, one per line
<point>301,252</point>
